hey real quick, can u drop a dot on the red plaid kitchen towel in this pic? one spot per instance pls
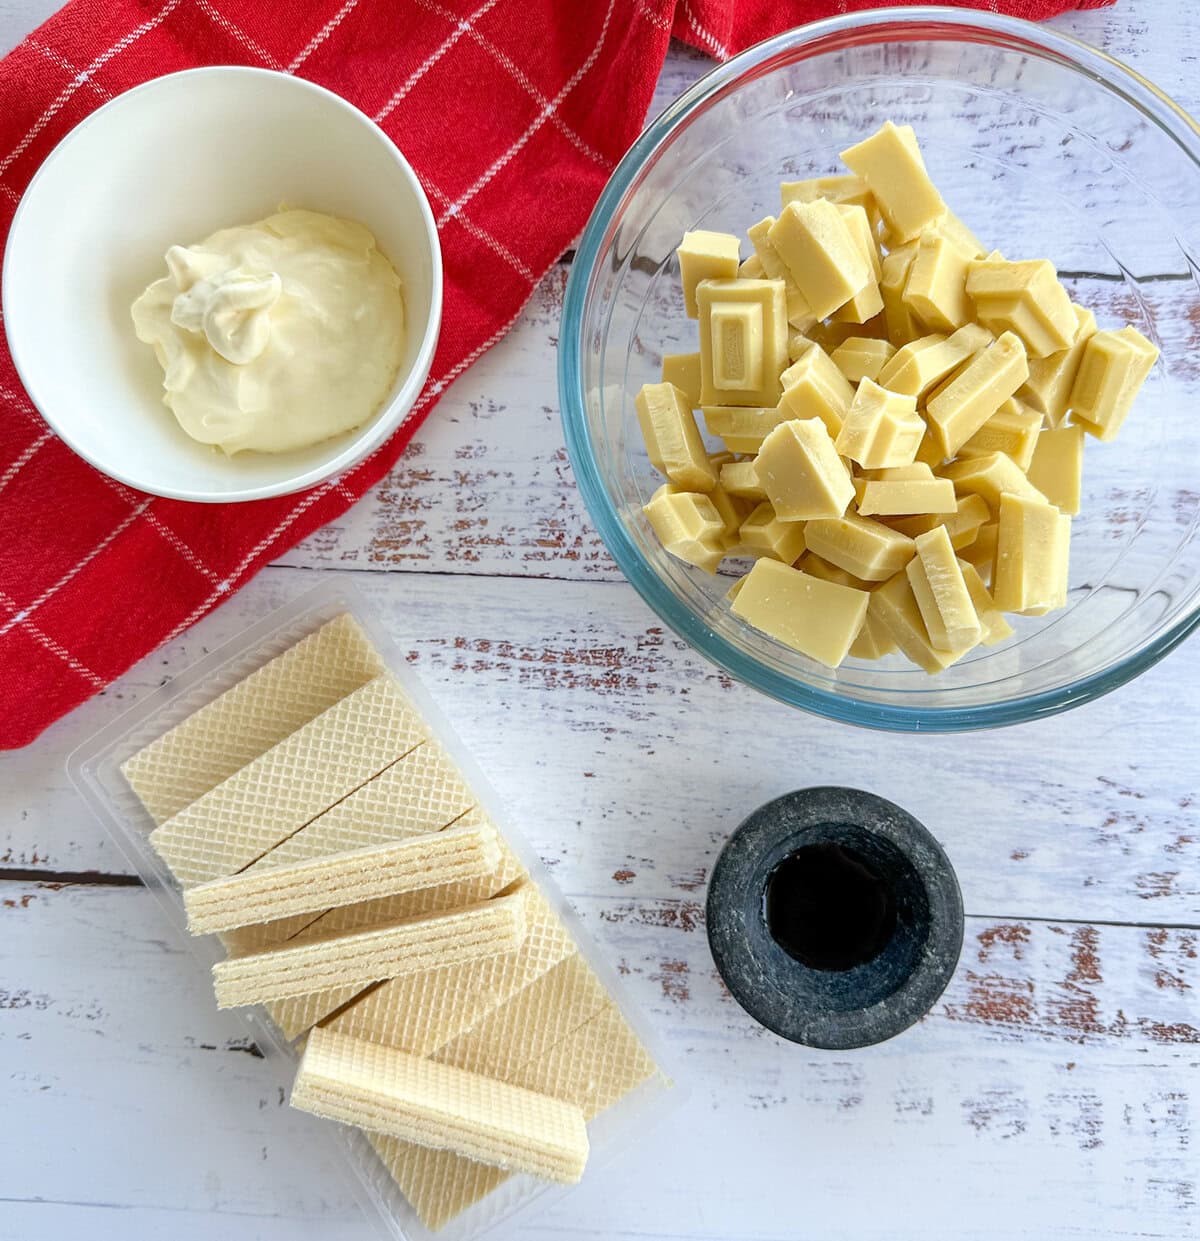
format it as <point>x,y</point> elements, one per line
<point>93,575</point>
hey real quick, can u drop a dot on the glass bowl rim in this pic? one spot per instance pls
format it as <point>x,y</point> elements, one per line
<point>1117,78</point>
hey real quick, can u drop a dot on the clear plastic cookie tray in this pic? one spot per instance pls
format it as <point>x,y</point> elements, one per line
<point>94,769</point>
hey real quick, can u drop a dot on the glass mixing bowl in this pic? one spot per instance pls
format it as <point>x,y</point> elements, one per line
<point>1047,148</point>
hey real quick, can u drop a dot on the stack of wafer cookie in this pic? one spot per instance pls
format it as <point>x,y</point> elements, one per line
<point>367,901</point>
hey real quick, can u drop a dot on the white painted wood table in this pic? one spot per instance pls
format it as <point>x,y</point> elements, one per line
<point>1053,1092</point>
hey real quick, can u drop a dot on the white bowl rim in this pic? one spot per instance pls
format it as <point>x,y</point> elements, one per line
<point>358,448</point>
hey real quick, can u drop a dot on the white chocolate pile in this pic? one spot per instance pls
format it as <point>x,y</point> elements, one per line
<point>903,415</point>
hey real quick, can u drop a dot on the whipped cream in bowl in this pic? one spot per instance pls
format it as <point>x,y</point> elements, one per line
<point>271,349</point>
<point>275,335</point>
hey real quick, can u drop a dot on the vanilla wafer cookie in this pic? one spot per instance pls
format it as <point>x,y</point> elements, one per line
<point>245,939</point>
<point>421,1012</point>
<point>284,789</point>
<point>537,1018</point>
<point>254,896</point>
<point>533,1017</point>
<point>376,912</point>
<point>294,1016</point>
<point>439,1185</point>
<point>297,1015</point>
<point>357,917</point>
<point>422,792</point>
<point>487,929</point>
<point>252,716</point>
<point>595,1066</point>
<point>486,983</point>
<point>428,900</point>
<point>439,1106</point>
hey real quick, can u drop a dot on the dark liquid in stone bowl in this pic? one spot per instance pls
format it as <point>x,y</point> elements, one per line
<point>829,908</point>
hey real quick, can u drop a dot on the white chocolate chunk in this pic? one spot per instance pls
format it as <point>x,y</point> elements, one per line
<point>818,248</point>
<point>742,427</point>
<point>1012,430</point>
<point>820,619</point>
<point>936,289</point>
<point>895,607</point>
<point>1057,466</point>
<point>1051,378</point>
<point>982,552</point>
<point>801,472</point>
<point>740,478</point>
<point>970,513</point>
<point>868,549</point>
<point>891,165</point>
<point>813,387</point>
<point>923,363</point>
<point>705,255</point>
<point>902,325</point>
<point>968,399</point>
<point>991,620</point>
<point>764,533</point>
<point>862,357</point>
<point>1025,298</point>
<point>743,341</point>
<point>673,441</point>
<point>955,231</point>
<point>873,641</point>
<point>1032,554</point>
<point>842,188</point>
<point>941,593</point>
<point>904,490</point>
<point>688,525</point>
<point>881,429</point>
<point>868,301</point>
<point>992,477</point>
<point>799,312</point>
<point>683,370</point>
<point>1113,368</point>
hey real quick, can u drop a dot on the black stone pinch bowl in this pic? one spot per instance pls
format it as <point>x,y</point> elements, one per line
<point>894,980</point>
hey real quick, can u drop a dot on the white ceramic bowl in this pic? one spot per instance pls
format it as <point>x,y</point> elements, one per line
<point>170,162</point>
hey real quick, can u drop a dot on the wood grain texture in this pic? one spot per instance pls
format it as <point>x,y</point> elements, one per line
<point>1050,1094</point>
<point>1060,1061</point>
<point>486,489</point>
<point>19,17</point>
<point>1076,822</point>
<point>1075,831</point>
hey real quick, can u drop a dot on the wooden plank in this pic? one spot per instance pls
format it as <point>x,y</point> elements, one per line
<point>487,489</point>
<point>1059,1060</point>
<point>486,486</point>
<point>22,1221</point>
<point>1047,1096</point>
<point>106,1015</point>
<point>1059,818</point>
<point>19,17</point>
